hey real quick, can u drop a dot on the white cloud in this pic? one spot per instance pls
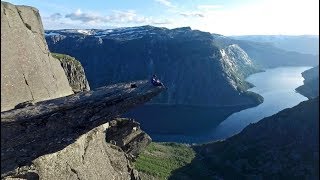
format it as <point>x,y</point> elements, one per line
<point>209,7</point>
<point>257,17</point>
<point>165,3</point>
<point>161,22</point>
<point>116,18</point>
<point>55,16</point>
<point>191,14</point>
<point>85,17</point>
<point>291,17</point>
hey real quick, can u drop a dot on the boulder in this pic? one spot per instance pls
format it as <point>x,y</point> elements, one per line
<point>126,134</point>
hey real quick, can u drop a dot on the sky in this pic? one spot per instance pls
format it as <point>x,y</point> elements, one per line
<point>226,17</point>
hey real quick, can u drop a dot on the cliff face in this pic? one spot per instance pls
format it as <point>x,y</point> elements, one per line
<point>46,137</point>
<point>74,72</point>
<point>28,71</point>
<point>266,55</point>
<point>237,65</point>
<point>50,126</point>
<point>89,157</point>
<point>194,69</point>
<point>310,87</point>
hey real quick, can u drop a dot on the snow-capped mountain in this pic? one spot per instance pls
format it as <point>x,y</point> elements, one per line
<point>179,56</point>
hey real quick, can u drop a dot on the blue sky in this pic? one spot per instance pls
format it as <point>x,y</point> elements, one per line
<point>227,17</point>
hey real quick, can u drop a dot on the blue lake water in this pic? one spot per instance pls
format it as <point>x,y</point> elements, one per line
<point>277,86</point>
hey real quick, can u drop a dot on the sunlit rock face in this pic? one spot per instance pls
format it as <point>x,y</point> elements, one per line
<point>268,55</point>
<point>28,71</point>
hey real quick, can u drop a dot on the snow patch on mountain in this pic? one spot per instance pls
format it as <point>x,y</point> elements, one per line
<point>51,34</point>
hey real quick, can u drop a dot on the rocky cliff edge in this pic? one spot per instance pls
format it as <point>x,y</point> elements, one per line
<point>48,127</point>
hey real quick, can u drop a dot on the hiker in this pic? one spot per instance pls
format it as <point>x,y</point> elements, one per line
<point>155,81</point>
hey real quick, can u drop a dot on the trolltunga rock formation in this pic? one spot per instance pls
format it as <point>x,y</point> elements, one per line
<point>52,133</point>
<point>39,133</point>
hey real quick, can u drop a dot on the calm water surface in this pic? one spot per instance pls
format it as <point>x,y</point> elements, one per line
<point>277,86</point>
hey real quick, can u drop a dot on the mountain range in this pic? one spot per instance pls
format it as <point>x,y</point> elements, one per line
<point>54,126</point>
<point>183,59</point>
<point>306,44</point>
<point>267,55</point>
<point>204,73</point>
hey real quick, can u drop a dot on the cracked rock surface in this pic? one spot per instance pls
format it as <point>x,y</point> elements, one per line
<point>89,157</point>
<point>28,71</point>
<point>47,132</point>
<point>48,128</point>
<point>126,134</point>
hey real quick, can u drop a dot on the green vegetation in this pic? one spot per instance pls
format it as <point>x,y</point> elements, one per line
<point>58,56</point>
<point>161,159</point>
<point>66,58</point>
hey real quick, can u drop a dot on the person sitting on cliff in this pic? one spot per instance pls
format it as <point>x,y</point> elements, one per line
<point>155,81</point>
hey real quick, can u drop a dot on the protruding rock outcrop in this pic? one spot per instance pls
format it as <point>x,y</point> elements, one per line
<point>126,134</point>
<point>310,87</point>
<point>50,126</point>
<point>74,72</point>
<point>28,71</point>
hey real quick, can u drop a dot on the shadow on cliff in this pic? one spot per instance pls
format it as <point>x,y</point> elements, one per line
<point>199,168</point>
<point>50,126</point>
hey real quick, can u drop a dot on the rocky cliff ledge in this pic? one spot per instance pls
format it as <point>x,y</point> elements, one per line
<point>29,133</point>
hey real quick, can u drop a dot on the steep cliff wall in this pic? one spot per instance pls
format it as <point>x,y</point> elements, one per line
<point>265,55</point>
<point>28,71</point>
<point>195,70</point>
<point>74,72</point>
